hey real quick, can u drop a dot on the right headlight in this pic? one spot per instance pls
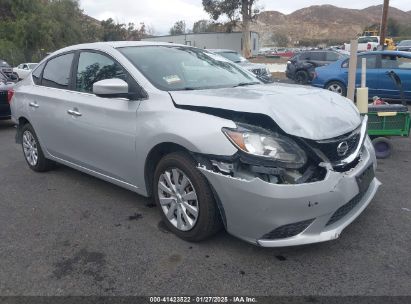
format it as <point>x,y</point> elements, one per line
<point>283,151</point>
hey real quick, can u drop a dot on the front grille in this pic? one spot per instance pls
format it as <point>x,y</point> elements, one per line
<point>364,181</point>
<point>288,230</point>
<point>330,148</point>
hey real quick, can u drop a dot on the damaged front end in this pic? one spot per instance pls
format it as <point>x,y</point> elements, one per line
<point>282,190</point>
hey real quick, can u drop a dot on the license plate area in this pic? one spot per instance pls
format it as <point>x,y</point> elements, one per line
<point>365,178</point>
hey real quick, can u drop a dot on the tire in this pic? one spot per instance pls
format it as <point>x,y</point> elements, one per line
<point>337,87</point>
<point>302,77</point>
<point>33,154</point>
<point>382,147</point>
<point>172,200</point>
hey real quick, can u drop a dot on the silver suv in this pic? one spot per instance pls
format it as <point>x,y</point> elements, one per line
<point>276,165</point>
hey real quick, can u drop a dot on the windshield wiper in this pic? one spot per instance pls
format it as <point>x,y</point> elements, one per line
<point>243,84</point>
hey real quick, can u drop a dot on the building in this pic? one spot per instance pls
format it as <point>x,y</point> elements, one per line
<point>231,41</point>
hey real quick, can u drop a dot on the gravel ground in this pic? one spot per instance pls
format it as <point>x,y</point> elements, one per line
<point>66,233</point>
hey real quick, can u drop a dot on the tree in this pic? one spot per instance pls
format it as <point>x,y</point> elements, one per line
<point>178,28</point>
<point>232,9</point>
<point>279,39</point>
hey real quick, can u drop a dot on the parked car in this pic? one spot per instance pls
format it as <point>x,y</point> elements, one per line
<point>24,69</point>
<point>8,70</point>
<point>334,77</point>
<point>404,45</point>
<point>260,70</point>
<point>300,68</point>
<point>6,93</point>
<point>276,165</point>
<point>365,43</point>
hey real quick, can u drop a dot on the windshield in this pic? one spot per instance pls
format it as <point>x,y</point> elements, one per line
<point>405,43</point>
<point>232,56</point>
<point>173,68</point>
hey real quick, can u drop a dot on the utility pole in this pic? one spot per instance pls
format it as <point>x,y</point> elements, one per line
<point>383,32</point>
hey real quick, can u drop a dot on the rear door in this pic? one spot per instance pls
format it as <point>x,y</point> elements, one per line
<point>401,65</point>
<point>102,137</point>
<point>372,75</point>
<point>47,101</point>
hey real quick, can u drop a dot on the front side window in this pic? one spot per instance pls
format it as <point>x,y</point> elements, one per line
<point>404,63</point>
<point>57,72</point>
<point>93,67</point>
<point>389,62</point>
<point>172,68</point>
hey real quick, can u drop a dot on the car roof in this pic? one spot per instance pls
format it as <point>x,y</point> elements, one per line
<point>406,54</point>
<point>112,45</point>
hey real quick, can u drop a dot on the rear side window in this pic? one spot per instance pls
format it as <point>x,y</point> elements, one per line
<point>57,72</point>
<point>93,67</point>
<point>331,56</point>
<point>314,56</point>
<point>37,73</point>
<point>371,62</point>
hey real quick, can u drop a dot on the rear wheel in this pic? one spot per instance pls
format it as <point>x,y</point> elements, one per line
<point>185,198</point>
<point>33,154</point>
<point>382,147</point>
<point>337,87</point>
<point>302,77</point>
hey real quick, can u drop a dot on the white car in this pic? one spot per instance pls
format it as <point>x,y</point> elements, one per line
<point>24,69</point>
<point>365,43</point>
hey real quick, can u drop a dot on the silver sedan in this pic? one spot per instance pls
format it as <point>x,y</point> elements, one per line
<point>275,165</point>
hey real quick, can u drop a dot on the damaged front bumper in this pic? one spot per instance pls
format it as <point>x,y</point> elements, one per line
<point>276,215</point>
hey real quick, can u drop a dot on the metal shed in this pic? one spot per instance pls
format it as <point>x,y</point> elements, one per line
<point>231,41</point>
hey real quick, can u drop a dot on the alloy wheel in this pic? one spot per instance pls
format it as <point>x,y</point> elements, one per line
<point>30,148</point>
<point>178,199</point>
<point>336,88</point>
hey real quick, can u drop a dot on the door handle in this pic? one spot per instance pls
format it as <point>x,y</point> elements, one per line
<point>33,105</point>
<point>73,113</point>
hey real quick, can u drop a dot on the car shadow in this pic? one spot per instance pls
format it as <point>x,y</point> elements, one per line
<point>6,124</point>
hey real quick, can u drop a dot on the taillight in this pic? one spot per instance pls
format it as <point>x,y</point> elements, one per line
<point>369,46</point>
<point>10,94</point>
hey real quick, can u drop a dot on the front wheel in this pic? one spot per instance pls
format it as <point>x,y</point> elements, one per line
<point>185,198</point>
<point>337,87</point>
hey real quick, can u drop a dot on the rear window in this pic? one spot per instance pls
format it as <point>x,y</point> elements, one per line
<point>367,39</point>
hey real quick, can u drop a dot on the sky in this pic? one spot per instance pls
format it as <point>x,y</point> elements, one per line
<point>161,14</point>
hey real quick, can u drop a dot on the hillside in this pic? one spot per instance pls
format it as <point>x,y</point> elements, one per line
<point>320,22</point>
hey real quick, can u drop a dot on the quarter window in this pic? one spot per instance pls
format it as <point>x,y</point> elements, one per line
<point>93,67</point>
<point>37,73</point>
<point>57,72</point>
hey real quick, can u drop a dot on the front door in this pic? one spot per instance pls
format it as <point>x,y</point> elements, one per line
<point>101,131</point>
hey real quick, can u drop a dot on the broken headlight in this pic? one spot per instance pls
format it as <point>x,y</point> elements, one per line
<point>283,151</point>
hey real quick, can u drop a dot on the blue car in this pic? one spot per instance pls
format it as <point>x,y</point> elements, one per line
<point>334,77</point>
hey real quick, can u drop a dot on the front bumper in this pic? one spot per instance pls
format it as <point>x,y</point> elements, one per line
<point>254,208</point>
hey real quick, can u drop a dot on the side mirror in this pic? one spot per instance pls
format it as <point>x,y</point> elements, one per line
<point>111,88</point>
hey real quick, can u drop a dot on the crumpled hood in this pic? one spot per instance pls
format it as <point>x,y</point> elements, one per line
<point>298,110</point>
